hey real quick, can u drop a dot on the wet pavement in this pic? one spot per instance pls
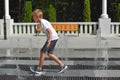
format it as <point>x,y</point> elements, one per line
<point>84,63</point>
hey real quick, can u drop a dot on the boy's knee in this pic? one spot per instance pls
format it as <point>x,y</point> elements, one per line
<point>41,52</point>
<point>49,54</point>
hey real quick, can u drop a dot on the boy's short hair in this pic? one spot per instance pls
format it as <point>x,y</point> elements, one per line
<point>37,12</point>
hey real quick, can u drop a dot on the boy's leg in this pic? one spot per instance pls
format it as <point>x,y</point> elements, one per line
<point>38,68</point>
<point>55,58</point>
<point>41,60</point>
<point>42,55</point>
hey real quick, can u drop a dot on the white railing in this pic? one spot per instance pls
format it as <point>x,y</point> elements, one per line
<point>84,28</point>
<point>87,28</point>
<point>24,28</point>
<point>115,28</point>
<point>30,28</point>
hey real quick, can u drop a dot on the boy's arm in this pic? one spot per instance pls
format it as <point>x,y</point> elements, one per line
<point>50,36</point>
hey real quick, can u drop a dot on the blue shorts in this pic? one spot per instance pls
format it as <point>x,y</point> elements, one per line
<point>49,49</point>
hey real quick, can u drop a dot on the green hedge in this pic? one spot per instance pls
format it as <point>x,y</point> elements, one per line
<point>87,11</point>
<point>28,11</point>
<point>51,13</point>
<point>118,12</point>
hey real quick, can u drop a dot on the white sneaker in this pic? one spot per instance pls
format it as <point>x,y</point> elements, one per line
<point>33,69</point>
<point>63,68</point>
<point>39,72</point>
<point>36,70</point>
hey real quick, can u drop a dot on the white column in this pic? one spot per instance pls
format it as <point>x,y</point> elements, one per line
<point>104,26</point>
<point>104,9</point>
<point>7,9</point>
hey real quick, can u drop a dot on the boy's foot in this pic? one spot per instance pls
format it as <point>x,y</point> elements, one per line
<point>63,68</point>
<point>37,71</point>
<point>33,69</point>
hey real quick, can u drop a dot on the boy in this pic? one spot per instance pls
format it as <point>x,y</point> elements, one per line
<point>50,43</point>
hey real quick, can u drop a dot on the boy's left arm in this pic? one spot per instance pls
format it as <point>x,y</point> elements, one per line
<point>50,36</point>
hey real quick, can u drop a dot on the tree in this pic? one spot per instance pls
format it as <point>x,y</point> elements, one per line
<point>118,12</point>
<point>28,11</point>
<point>87,11</point>
<point>51,13</point>
<point>66,10</point>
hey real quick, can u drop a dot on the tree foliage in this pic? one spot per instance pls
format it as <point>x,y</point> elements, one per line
<point>51,13</point>
<point>87,11</point>
<point>118,12</point>
<point>28,11</point>
<point>66,10</point>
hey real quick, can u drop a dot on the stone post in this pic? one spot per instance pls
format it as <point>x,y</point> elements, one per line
<point>9,21</point>
<point>104,21</point>
<point>9,24</point>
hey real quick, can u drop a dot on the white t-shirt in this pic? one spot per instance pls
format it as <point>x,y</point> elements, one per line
<point>46,24</point>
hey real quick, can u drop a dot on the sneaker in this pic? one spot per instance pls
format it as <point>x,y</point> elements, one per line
<point>63,68</point>
<point>33,69</point>
<point>38,71</point>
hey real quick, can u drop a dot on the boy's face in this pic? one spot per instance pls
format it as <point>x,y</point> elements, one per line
<point>36,18</point>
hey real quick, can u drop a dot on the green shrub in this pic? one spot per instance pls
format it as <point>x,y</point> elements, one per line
<point>87,11</point>
<point>28,11</point>
<point>51,13</point>
<point>118,12</point>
